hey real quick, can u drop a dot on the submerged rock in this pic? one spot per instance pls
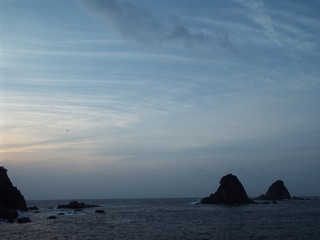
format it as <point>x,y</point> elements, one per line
<point>77,205</point>
<point>230,191</point>
<point>11,198</point>
<point>277,191</point>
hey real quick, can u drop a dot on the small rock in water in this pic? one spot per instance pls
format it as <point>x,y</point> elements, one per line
<point>77,205</point>
<point>52,217</point>
<point>23,220</point>
<point>100,211</point>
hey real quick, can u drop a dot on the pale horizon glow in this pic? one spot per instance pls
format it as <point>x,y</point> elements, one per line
<point>134,99</point>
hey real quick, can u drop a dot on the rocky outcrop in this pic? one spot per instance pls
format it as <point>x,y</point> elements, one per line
<point>230,191</point>
<point>277,191</point>
<point>100,211</point>
<point>11,198</point>
<point>24,220</point>
<point>77,205</point>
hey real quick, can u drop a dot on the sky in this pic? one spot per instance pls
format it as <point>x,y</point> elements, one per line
<point>143,99</point>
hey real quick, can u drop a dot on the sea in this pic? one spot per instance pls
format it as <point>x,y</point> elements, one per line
<point>174,218</point>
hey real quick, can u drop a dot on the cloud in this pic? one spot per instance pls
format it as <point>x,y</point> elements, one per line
<point>129,21</point>
<point>260,16</point>
<point>135,23</point>
<point>29,125</point>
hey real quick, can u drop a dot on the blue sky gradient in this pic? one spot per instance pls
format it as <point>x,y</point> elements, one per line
<point>160,98</point>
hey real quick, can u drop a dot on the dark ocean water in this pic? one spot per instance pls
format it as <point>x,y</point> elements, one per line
<point>170,219</point>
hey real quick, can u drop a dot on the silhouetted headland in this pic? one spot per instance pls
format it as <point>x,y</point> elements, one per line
<point>11,198</point>
<point>230,191</point>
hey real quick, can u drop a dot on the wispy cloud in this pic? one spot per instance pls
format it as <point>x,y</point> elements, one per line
<point>29,124</point>
<point>15,52</point>
<point>135,23</point>
<point>259,15</point>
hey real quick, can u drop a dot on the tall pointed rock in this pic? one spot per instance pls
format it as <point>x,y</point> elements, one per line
<point>10,197</point>
<point>230,191</point>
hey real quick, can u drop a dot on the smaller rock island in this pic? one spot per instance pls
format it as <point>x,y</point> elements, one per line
<point>277,191</point>
<point>230,191</point>
<point>77,205</point>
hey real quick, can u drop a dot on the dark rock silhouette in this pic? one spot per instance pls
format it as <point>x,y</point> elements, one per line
<point>7,213</point>
<point>77,205</point>
<point>100,211</point>
<point>11,198</point>
<point>52,217</point>
<point>34,208</point>
<point>23,220</point>
<point>230,191</point>
<point>277,191</point>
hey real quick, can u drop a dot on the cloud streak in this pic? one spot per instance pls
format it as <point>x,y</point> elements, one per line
<point>134,23</point>
<point>260,16</point>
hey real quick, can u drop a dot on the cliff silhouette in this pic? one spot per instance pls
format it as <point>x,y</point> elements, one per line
<point>11,198</point>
